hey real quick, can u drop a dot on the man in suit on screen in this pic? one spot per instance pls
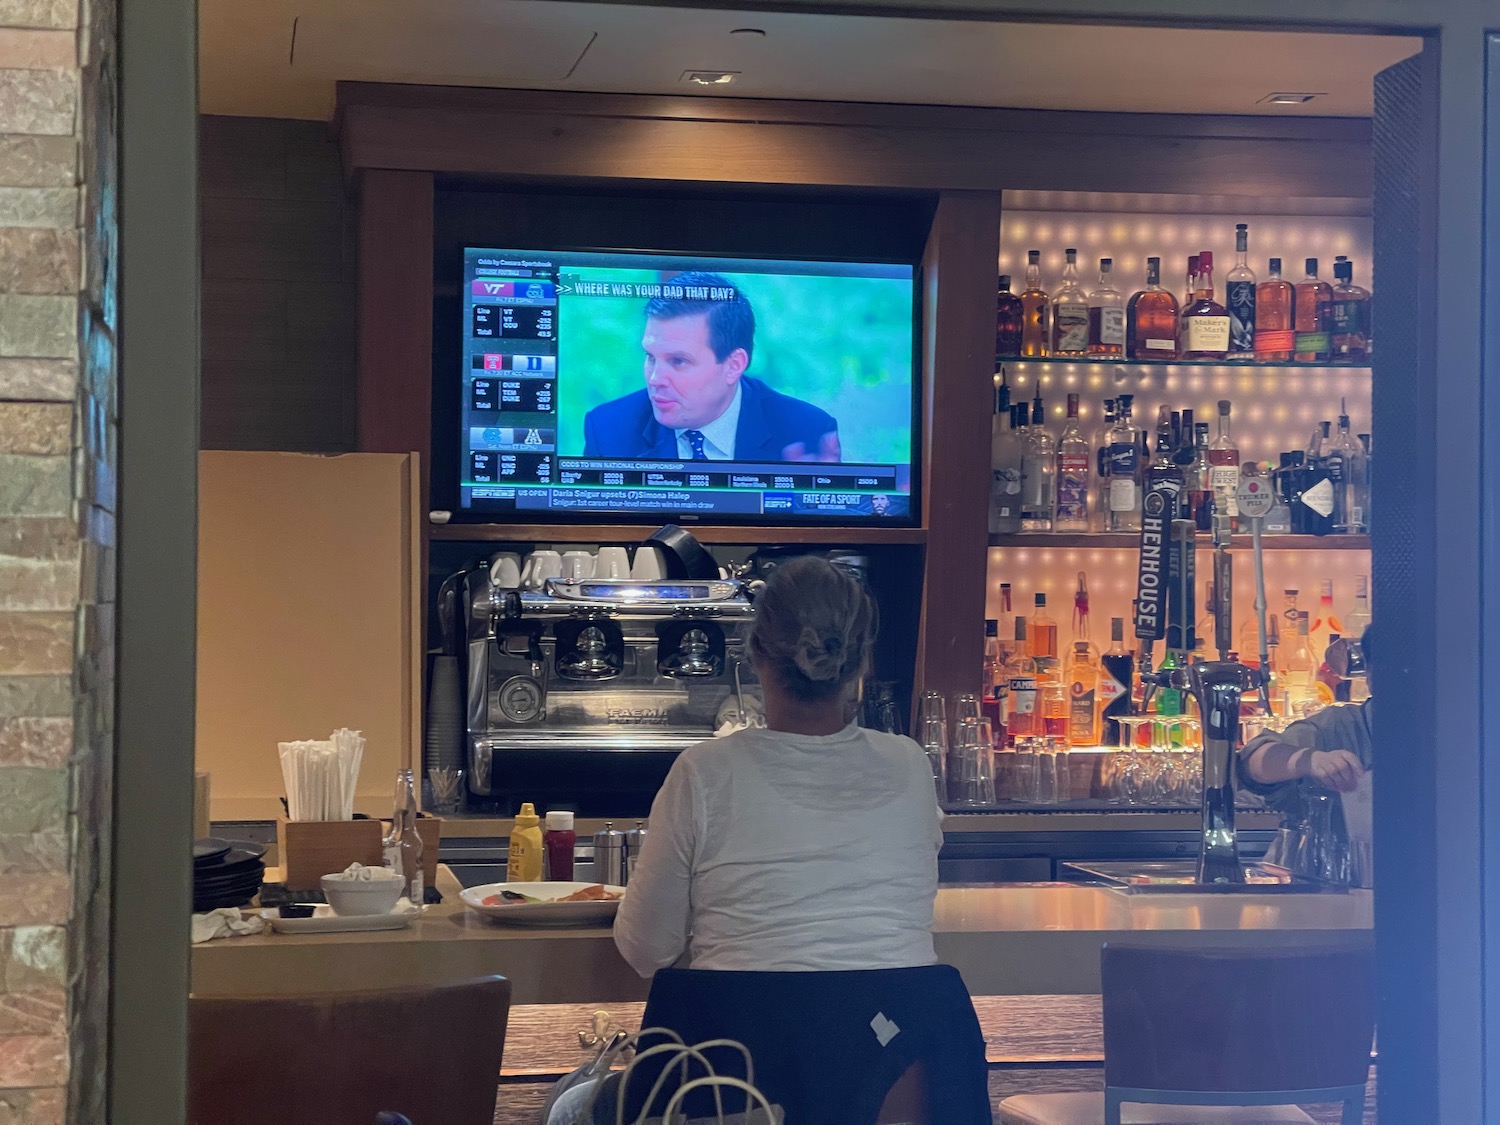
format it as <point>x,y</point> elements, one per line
<point>698,404</point>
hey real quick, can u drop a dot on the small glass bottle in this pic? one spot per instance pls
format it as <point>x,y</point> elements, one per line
<point>1070,313</point>
<point>1151,327</point>
<point>1106,315</point>
<point>1038,473</point>
<point>1205,322</point>
<point>1192,281</point>
<point>403,847</point>
<point>1009,319</point>
<point>1124,470</point>
<point>1005,467</point>
<point>1036,318</point>
<point>1224,469</point>
<point>558,841</point>
<point>1074,465</point>
<point>1275,303</point>
<point>1239,298</point>
<point>1041,632</point>
<point>1350,341</point>
<point>1022,719</point>
<point>1313,317</point>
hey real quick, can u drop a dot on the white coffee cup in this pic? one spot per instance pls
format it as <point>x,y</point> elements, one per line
<point>505,570</point>
<point>577,565</point>
<point>650,564</point>
<point>612,562</point>
<point>540,566</point>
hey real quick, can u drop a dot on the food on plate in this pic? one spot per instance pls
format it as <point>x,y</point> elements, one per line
<point>596,893</point>
<point>510,898</point>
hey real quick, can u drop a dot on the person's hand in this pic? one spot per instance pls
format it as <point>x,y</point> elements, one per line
<point>828,450</point>
<point>1336,769</point>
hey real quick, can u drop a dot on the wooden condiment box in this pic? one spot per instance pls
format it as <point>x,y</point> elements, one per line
<point>310,849</point>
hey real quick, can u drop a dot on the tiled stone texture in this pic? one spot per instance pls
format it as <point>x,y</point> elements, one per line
<point>58,442</point>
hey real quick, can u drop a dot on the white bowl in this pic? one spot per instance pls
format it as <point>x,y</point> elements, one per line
<point>362,896</point>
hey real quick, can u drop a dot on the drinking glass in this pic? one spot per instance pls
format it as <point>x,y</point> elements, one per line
<point>1131,776</point>
<point>965,770</point>
<point>932,727</point>
<point>986,762</point>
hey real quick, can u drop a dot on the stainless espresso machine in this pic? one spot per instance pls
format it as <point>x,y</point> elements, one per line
<point>595,666</point>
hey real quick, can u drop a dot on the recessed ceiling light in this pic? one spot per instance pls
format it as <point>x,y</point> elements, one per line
<point>709,77</point>
<point>1289,98</point>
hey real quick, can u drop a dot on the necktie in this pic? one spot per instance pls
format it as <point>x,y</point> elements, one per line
<point>695,439</point>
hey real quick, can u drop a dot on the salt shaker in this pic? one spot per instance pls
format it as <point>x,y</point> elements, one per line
<point>609,856</point>
<point>635,839</point>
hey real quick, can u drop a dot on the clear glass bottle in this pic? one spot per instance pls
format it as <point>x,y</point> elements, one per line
<point>1205,322</point>
<point>1005,467</point>
<point>1357,620</point>
<point>1200,481</point>
<point>1009,319</point>
<point>1074,465</point>
<point>1106,315</point>
<point>1350,340</point>
<point>1299,672</point>
<point>1070,313</point>
<point>1326,624</point>
<point>1038,473</point>
<point>1239,298</point>
<point>993,665</point>
<point>1275,304</point>
<point>1151,319</point>
<point>1036,319</point>
<point>1344,458</point>
<point>1313,317</point>
<point>403,846</point>
<point>1289,610</point>
<point>1099,515</point>
<point>1124,470</point>
<point>1224,468</point>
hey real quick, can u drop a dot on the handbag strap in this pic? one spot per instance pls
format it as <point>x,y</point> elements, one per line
<point>717,1081</point>
<point>680,1053</point>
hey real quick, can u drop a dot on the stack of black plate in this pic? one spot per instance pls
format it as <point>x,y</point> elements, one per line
<point>226,873</point>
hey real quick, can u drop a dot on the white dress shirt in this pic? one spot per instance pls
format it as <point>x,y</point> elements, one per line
<point>779,852</point>
<point>718,435</point>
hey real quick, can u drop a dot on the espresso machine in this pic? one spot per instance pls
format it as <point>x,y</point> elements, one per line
<point>602,666</point>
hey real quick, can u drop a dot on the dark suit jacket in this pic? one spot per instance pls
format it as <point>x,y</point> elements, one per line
<point>769,422</point>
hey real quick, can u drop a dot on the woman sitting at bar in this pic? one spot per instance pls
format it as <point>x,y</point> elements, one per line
<point>810,845</point>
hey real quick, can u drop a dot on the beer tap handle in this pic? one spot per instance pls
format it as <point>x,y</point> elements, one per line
<point>1254,497</point>
<point>1180,589</point>
<point>1223,607</point>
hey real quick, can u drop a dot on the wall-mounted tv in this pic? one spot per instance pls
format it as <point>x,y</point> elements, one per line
<point>651,386</point>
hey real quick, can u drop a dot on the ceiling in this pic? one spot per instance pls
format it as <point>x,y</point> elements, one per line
<point>280,58</point>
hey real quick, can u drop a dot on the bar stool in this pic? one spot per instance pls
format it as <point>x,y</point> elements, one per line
<point>1217,1028</point>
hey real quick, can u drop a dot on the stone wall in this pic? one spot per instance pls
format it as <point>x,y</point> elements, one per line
<point>57,498</point>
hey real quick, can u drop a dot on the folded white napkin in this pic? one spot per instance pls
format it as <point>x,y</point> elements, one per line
<point>225,922</point>
<point>359,873</point>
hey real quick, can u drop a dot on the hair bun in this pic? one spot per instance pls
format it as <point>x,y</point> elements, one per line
<point>820,659</point>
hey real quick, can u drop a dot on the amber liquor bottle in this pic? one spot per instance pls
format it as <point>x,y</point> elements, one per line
<point>1350,341</point>
<point>1151,329</point>
<point>1008,321</point>
<point>1274,309</point>
<point>1036,309</point>
<point>1313,317</point>
<point>1205,322</point>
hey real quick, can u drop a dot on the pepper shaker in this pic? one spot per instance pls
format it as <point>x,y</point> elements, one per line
<point>609,856</point>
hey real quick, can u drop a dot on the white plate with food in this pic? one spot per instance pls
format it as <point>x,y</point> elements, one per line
<point>545,904</point>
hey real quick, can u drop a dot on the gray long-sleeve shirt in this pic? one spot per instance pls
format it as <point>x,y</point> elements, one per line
<point>1345,727</point>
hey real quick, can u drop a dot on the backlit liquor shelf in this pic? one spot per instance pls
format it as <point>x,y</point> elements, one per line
<point>1072,362</point>
<point>1130,540</point>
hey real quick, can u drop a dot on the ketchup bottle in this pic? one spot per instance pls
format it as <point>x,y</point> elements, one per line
<point>558,841</point>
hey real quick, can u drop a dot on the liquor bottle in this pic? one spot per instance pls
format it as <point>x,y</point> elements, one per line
<point>1289,610</point>
<point>1192,281</point>
<point>1357,620</point>
<point>1239,298</point>
<point>1036,321</point>
<point>1151,328</point>
<point>1316,494</point>
<point>1083,698</point>
<point>1021,717</point>
<point>1205,322</point>
<point>1009,318</point>
<point>1042,633</point>
<point>1345,461</point>
<point>1224,469</point>
<point>1362,482</point>
<point>1098,518</point>
<point>1073,471</point>
<point>1278,520</point>
<point>1168,700</point>
<point>1070,313</point>
<point>1326,623</point>
<point>1250,638</point>
<point>1200,481</point>
<point>1124,470</point>
<point>1005,597</point>
<point>1054,702</point>
<point>1329,681</point>
<point>1106,315</point>
<point>1350,342</point>
<point>403,847</point>
<point>1275,305</point>
<point>1038,473</point>
<point>1299,672</point>
<point>992,663</point>
<point>1312,320</point>
<point>1005,469</point>
<point>1116,682</point>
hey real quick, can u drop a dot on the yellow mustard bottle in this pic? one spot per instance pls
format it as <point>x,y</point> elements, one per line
<point>524,859</point>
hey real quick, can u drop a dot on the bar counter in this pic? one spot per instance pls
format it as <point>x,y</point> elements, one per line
<point>1021,939</point>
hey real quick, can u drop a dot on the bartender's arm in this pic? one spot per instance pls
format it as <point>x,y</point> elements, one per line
<point>651,929</point>
<point>1302,750</point>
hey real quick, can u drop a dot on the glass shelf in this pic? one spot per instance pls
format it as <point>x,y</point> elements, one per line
<point>1238,364</point>
<point>1131,540</point>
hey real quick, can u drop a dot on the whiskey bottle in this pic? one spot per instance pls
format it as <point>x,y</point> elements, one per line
<point>1275,302</point>
<point>1083,697</point>
<point>1224,469</point>
<point>1350,342</point>
<point>1073,465</point>
<point>1036,318</point>
<point>1124,461</point>
<point>1205,322</point>
<point>1038,473</point>
<point>1070,313</point>
<point>1192,281</point>
<point>1313,317</point>
<point>1009,318</point>
<point>1151,328</point>
<point>1041,631</point>
<point>1239,298</point>
<point>1106,315</point>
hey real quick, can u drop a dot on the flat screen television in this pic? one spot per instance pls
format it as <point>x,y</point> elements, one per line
<point>651,387</point>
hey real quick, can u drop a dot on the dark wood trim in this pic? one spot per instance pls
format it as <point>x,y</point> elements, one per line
<point>721,140</point>
<point>633,533</point>
<point>958,335</point>
<point>395,313</point>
